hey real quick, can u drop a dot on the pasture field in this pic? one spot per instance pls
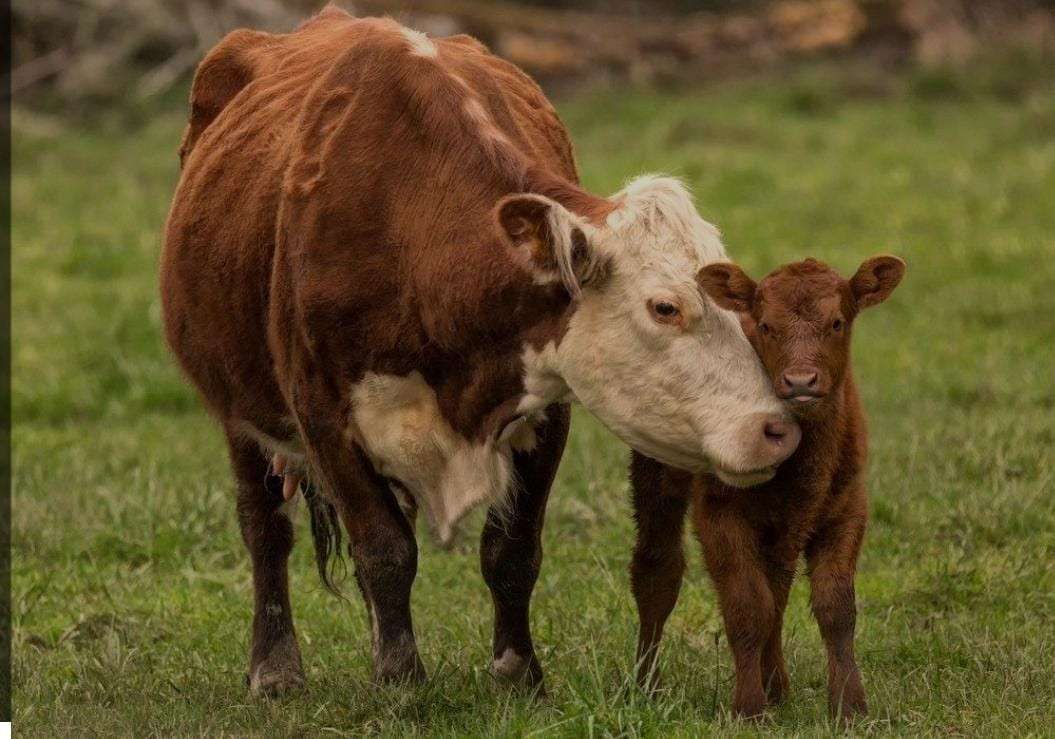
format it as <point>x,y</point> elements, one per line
<point>131,594</point>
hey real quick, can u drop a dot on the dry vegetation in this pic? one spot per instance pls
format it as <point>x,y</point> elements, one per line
<point>76,51</point>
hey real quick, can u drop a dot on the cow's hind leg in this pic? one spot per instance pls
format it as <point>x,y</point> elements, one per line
<point>274,662</point>
<point>511,553</point>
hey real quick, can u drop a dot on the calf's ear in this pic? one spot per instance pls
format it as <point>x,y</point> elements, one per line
<point>549,241</point>
<point>728,286</point>
<point>876,279</point>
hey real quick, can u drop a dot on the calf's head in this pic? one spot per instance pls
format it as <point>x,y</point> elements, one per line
<point>799,319</point>
<point>644,349</point>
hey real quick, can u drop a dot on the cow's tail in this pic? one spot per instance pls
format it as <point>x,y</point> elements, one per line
<point>326,536</point>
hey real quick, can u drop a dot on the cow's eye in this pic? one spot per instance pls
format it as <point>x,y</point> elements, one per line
<point>764,328</point>
<point>837,325</point>
<point>664,312</point>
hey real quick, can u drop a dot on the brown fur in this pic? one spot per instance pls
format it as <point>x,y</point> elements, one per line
<point>799,320</point>
<point>336,216</point>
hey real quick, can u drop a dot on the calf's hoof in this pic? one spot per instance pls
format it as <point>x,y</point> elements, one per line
<point>519,672</point>
<point>749,709</point>
<point>777,688</point>
<point>848,711</point>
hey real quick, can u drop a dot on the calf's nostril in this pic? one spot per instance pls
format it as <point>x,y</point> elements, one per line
<point>800,380</point>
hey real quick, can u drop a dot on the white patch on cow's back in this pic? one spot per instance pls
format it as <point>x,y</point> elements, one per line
<point>476,112</point>
<point>420,44</point>
<point>407,438</point>
<point>478,115</point>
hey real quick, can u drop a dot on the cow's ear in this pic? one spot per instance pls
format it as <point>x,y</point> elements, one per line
<point>549,241</point>
<point>876,279</point>
<point>728,286</point>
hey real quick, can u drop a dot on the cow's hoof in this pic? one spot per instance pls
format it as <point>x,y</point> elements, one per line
<point>407,670</point>
<point>518,672</point>
<point>265,683</point>
<point>279,673</point>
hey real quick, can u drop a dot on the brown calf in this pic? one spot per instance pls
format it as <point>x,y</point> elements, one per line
<point>799,320</point>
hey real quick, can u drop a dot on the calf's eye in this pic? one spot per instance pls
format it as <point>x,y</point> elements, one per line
<point>666,309</point>
<point>837,324</point>
<point>764,328</point>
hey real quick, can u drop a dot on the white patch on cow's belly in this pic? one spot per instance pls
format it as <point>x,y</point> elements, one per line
<point>403,431</point>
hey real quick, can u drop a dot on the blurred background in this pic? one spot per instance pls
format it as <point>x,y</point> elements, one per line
<point>830,128</point>
<point>76,52</point>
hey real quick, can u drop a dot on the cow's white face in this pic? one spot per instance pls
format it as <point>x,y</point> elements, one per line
<point>651,356</point>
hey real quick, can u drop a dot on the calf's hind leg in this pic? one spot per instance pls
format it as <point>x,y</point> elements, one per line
<point>511,553</point>
<point>274,662</point>
<point>774,672</point>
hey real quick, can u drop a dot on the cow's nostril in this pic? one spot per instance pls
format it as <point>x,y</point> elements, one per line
<point>777,430</point>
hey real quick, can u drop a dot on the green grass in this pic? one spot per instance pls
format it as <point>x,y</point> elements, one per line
<point>131,597</point>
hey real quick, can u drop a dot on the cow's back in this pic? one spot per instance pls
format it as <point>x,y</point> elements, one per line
<point>257,100</point>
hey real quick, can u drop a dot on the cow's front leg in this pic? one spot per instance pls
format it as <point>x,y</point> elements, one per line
<point>385,554</point>
<point>274,661</point>
<point>381,543</point>
<point>511,552</point>
<point>660,497</point>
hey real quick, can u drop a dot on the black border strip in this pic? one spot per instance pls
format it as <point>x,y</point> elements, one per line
<point>5,368</point>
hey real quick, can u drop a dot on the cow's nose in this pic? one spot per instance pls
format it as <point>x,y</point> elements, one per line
<point>781,436</point>
<point>777,429</point>
<point>800,382</point>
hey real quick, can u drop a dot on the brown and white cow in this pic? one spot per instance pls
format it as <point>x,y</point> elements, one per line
<point>381,273</point>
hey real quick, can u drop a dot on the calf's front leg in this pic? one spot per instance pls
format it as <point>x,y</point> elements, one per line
<point>511,552</point>
<point>730,549</point>
<point>832,561</point>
